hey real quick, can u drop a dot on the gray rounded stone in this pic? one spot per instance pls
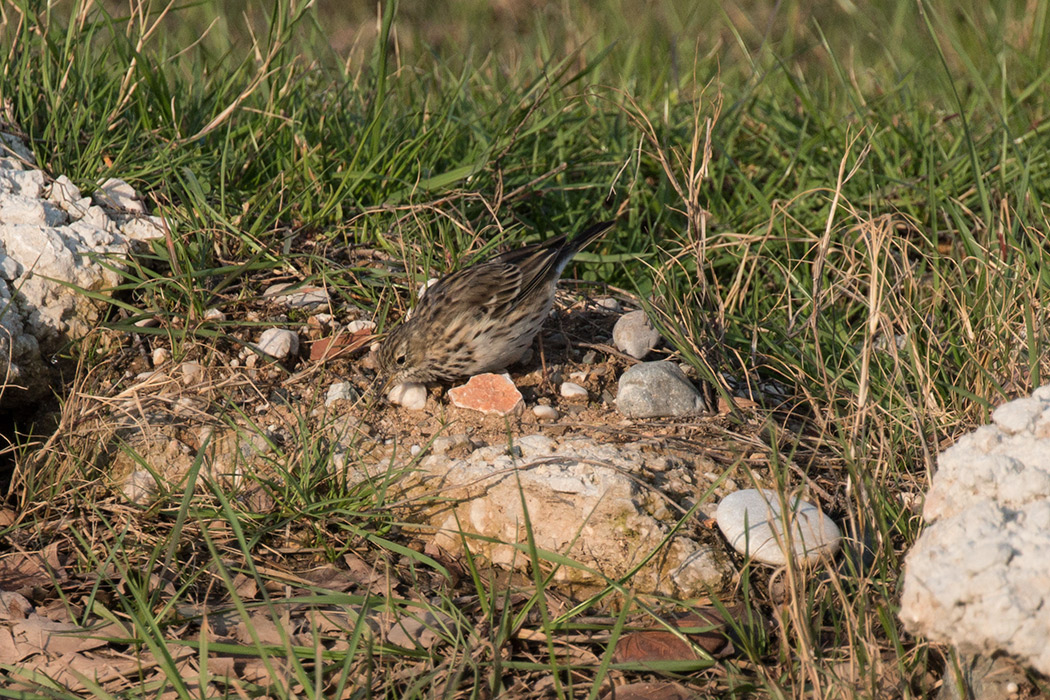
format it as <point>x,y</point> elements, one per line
<point>635,335</point>
<point>655,389</point>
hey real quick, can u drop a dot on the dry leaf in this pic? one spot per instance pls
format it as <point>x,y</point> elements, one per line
<point>14,606</point>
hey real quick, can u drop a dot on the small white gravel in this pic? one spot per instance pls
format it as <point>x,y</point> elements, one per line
<point>546,413</point>
<point>571,390</point>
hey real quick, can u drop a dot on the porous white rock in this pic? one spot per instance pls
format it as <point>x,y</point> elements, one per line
<point>117,194</point>
<point>756,525</point>
<point>52,244</point>
<point>582,503</point>
<point>976,578</point>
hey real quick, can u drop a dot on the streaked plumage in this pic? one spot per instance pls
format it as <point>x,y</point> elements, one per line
<point>481,318</point>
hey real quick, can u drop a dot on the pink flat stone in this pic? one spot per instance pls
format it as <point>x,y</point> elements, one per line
<point>488,393</point>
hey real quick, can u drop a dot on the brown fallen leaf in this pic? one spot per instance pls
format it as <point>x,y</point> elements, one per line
<point>339,344</point>
<point>71,670</point>
<point>14,606</point>
<point>704,628</point>
<point>37,634</point>
<point>23,570</point>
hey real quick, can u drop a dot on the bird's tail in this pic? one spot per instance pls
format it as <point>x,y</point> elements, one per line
<point>584,237</point>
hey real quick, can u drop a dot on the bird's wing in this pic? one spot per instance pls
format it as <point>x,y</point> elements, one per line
<point>483,287</point>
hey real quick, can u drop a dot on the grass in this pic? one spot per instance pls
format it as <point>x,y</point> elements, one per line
<point>836,209</point>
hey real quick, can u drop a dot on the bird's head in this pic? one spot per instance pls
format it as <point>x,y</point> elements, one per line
<point>402,357</point>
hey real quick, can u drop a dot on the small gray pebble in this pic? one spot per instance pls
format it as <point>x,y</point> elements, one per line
<point>635,335</point>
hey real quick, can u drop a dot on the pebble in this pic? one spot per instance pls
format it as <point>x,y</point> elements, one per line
<point>360,325</point>
<point>410,395</point>
<point>571,390</point>
<point>655,389</point>
<point>214,315</point>
<point>278,343</point>
<point>752,521</point>
<point>425,286</point>
<point>297,297</point>
<point>341,391</point>
<point>546,413</point>
<point>458,445</point>
<point>415,450</point>
<point>608,303</point>
<point>635,335</point>
<point>192,373</point>
<point>160,356</point>
<point>488,393</point>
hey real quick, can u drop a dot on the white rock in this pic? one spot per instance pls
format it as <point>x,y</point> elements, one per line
<point>140,487</point>
<point>49,247</point>
<point>360,325</point>
<point>608,303</point>
<point>160,356</point>
<point>9,268</point>
<point>19,209</point>
<point>117,194</point>
<point>753,522</point>
<point>976,577</point>
<point>65,195</point>
<point>446,443</point>
<point>341,391</point>
<point>1018,416</point>
<point>278,343</point>
<point>410,395</point>
<point>26,182</point>
<point>582,503</point>
<point>635,335</point>
<point>297,297</point>
<point>143,228</point>
<point>546,413</point>
<point>215,315</point>
<point>571,390</point>
<point>15,155</point>
<point>192,373</point>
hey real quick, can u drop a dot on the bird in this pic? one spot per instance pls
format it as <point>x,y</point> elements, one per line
<point>481,318</point>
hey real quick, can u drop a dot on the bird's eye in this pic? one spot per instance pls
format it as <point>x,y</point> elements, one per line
<point>399,360</point>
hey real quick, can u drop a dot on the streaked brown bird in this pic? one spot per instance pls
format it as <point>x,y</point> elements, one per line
<point>481,318</point>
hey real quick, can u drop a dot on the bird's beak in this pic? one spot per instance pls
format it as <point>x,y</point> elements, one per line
<point>382,384</point>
